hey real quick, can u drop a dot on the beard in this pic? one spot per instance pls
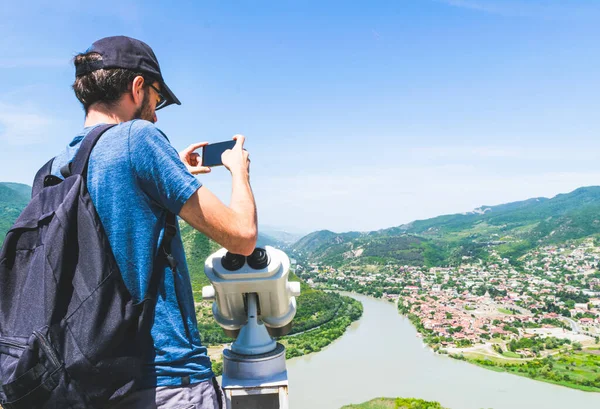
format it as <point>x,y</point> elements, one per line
<point>145,111</point>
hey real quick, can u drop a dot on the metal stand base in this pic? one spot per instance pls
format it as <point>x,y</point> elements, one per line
<point>255,381</point>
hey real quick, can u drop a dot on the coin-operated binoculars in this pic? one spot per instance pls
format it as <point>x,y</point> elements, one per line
<point>253,301</point>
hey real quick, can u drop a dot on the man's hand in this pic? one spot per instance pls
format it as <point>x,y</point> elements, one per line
<point>235,226</point>
<point>193,160</point>
<point>236,159</point>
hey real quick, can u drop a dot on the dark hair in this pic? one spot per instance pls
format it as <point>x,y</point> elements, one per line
<point>105,85</point>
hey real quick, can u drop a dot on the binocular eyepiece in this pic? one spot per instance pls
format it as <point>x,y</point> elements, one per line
<point>259,259</point>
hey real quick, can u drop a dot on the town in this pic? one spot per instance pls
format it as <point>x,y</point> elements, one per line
<point>549,299</point>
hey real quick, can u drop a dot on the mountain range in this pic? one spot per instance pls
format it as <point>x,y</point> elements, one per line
<point>511,229</point>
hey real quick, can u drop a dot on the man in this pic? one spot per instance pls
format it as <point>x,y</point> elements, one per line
<point>134,178</point>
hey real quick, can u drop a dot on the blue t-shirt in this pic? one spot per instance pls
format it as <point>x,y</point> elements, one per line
<point>134,176</point>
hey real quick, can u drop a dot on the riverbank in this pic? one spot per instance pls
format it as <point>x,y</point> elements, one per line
<point>572,369</point>
<point>547,359</point>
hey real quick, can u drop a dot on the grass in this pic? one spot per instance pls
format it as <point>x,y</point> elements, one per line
<point>505,311</point>
<point>474,356</point>
<point>396,403</point>
<point>573,369</point>
<point>510,354</point>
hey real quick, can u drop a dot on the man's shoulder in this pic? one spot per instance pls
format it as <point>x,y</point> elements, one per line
<point>141,127</point>
<point>134,128</point>
<point>137,135</point>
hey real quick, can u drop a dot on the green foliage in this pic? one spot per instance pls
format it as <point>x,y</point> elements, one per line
<point>555,322</point>
<point>434,254</point>
<point>397,403</point>
<point>315,308</point>
<point>197,249</point>
<point>574,369</point>
<point>217,367</point>
<point>538,343</point>
<point>578,297</point>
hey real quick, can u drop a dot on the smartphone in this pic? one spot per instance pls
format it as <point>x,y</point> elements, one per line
<point>211,154</point>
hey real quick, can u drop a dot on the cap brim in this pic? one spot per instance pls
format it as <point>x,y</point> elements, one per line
<point>171,98</point>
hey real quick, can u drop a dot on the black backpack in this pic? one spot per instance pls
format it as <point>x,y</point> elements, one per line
<point>71,335</point>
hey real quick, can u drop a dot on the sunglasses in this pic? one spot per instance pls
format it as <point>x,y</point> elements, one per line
<point>162,99</point>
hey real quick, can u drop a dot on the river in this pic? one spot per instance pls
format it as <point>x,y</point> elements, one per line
<point>380,355</point>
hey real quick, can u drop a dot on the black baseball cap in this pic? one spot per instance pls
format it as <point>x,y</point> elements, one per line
<point>129,53</point>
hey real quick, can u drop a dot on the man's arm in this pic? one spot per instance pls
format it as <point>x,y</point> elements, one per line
<point>234,226</point>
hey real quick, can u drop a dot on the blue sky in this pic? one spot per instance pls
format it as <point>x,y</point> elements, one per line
<point>359,115</point>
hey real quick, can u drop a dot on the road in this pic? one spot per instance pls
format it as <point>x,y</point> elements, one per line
<point>574,325</point>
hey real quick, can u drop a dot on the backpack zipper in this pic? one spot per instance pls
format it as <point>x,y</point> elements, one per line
<point>12,344</point>
<point>47,349</point>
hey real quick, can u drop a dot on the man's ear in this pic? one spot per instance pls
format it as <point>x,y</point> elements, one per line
<point>137,90</point>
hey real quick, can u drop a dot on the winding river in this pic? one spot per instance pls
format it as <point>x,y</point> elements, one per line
<point>380,355</point>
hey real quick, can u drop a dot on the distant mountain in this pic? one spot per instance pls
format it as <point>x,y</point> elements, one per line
<point>268,240</point>
<point>281,236</point>
<point>565,216</point>
<point>13,199</point>
<point>317,241</point>
<point>24,191</point>
<point>511,228</point>
<point>337,248</point>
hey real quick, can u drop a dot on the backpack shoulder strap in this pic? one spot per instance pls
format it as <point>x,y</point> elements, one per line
<point>38,181</point>
<point>80,163</point>
<point>164,255</point>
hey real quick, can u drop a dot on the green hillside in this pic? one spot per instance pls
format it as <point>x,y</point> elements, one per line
<point>13,199</point>
<point>511,229</point>
<point>504,218</point>
<point>197,249</point>
<point>337,248</point>
<point>319,240</point>
<point>21,189</point>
